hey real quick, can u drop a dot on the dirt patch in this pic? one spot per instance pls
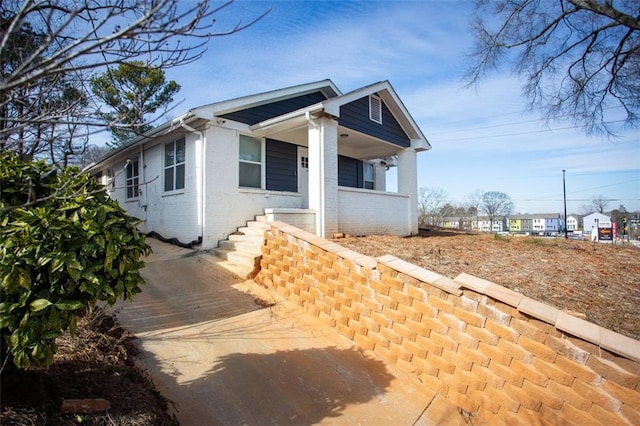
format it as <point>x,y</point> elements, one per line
<point>601,281</point>
<point>95,363</point>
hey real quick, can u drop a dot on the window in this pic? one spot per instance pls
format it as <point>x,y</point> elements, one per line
<point>111,179</point>
<point>368,175</point>
<point>250,162</point>
<point>375,109</point>
<point>132,178</point>
<point>174,154</point>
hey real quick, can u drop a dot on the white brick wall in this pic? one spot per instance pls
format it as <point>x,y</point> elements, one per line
<point>227,205</point>
<point>364,212</point>
<point>174,214</point>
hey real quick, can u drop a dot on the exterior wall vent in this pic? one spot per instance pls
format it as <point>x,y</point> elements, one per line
<point>375,109</point>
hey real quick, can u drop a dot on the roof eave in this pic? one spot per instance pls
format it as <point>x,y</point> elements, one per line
<point>162,129</point>
<point>291,119</point>
<point>391,99</point>
<point>216,109</point>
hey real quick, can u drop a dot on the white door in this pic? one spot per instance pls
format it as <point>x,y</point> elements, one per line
<point>303,175</point>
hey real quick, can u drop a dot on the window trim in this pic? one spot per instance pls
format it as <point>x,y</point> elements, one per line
<point>261,163</point>
<point>174,166</point>
<point>110,181</point>
<point>132,181</point>
<point>366,164</point>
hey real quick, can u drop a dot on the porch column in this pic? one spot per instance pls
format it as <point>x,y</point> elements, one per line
<point>323,174</point>
<point>408,185</point>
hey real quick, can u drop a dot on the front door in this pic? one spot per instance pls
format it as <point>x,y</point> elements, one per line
<point>303,175</point>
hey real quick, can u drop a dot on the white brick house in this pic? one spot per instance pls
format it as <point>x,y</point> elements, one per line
<point>306,154</point>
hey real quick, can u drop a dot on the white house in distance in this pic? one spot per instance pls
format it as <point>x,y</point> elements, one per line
<point>308,154</point>
<point>594,220</point>
<point>573,223</point>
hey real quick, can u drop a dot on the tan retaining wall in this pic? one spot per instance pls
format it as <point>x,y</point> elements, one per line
<point>493,352</point>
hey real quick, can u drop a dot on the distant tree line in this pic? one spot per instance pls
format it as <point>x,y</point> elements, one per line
<point>434,204</point>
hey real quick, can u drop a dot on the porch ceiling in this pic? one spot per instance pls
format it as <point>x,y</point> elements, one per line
<point>350,142</point>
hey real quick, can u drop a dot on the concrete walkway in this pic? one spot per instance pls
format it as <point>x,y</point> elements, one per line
<point>229,352</point>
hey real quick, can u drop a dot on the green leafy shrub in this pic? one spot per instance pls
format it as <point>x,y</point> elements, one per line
<point>64,245</point>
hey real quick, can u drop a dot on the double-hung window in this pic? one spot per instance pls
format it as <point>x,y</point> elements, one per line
<point>368,175</point>
<point>133,173</point>
<point>174,159</point>
<point>110,182</point>
<point>250,156</point>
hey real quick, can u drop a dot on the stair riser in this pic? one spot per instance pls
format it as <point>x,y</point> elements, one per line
<point>244,246</point>
<point>255,238</point>
<point>250,230</point>
<point>262,225</point>
<point>237,258</point>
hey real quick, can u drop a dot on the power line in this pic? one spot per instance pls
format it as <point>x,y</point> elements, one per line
<point>512,124</point>
<point>488,127</point>
<point>523,133</point>
<point>577,199</point>
<point>546,198</point>
<point>482,118</point>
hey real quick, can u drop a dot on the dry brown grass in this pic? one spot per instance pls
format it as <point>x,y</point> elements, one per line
<point>599,280</point>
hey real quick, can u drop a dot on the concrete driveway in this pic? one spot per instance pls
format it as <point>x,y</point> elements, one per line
<point>228,352</point>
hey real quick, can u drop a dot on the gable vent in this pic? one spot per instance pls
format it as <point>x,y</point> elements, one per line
<point>375,109</point>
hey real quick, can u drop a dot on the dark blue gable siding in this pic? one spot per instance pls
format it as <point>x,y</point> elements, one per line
<point>349,172</point>
<point>355,115</point>
<point>260,113</point>
<point>281,166</point>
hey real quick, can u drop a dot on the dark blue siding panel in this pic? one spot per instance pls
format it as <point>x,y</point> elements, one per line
<point>282,166</point>
<point>349,172</point>
<point>355,115</point>
<point>260,113</point>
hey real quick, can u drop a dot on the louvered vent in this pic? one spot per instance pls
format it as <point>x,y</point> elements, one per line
<point>375,109</point>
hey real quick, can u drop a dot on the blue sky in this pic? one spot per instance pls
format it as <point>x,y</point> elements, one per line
<point>482,137</point>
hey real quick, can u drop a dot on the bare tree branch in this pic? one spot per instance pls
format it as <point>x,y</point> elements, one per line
<point>49,46</point>
<point>579,58</point>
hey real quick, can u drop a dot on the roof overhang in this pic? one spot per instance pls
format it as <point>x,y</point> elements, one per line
<point>296,120</point>
<point>217,109</point>
<point>163,129</point>
<point>391,99</point>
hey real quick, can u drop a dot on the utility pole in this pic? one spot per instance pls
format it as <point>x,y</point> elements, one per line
<point>564,192</point>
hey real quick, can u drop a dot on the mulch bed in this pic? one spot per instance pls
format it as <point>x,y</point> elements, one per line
<point>601,281</point>
<point>95,363</point>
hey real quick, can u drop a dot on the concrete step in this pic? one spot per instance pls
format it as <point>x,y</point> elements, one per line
<point>262,218</point>
<point>243,249</point>
<point>253,247</point>
<point>251,230</point>
<point>237,257</point>
<point>255,238</point>
<point>257,224</point>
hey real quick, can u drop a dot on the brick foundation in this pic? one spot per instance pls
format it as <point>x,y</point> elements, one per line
<point>495,353</point>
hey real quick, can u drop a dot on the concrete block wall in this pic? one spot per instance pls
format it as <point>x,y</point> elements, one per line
<point>495,353</point>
